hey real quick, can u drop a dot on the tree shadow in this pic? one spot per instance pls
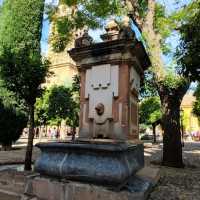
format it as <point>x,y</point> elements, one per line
<point>191,154</point>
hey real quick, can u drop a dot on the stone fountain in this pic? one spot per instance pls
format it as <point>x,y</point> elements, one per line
<point>107,151</point>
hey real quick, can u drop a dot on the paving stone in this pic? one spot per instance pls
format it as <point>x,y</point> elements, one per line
<point>178,184</point>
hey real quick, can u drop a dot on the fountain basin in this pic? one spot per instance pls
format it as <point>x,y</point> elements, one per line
<point>107,163</point>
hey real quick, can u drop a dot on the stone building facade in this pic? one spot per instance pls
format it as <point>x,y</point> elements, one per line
<point>62,66</point>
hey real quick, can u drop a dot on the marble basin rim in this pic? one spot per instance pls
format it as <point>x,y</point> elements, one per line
<point>97,145</point>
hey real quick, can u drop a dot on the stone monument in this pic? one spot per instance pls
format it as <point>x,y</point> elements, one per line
<point>110,81</point>
<point>107,151</point>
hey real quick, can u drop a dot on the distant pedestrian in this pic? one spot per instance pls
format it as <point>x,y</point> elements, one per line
<point>37,133</point>
<point>58,133</point>
<point>53,133</point>
<point>49,133</point>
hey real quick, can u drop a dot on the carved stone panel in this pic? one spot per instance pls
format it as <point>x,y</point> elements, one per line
<point>101,87</point>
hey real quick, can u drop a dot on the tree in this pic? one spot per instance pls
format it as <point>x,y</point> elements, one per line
<point>41,110</point>
<point>57,104</point>
<point>22,68</point>
<point>171,85</point>
<point>12,123</point>
<point>60,103</point>
<point>150,112</point>
<point>12,113</point>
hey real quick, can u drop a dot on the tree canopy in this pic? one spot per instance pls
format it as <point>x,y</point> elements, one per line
<point>189,49</point>
<point>12,123</point>
<point>57,103</point>
<point>77,15</point>
<point>21,66</point>
<point>150,110</point>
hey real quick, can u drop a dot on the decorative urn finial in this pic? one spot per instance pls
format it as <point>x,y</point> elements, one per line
<point>112,31</point>
<point>84,40</point>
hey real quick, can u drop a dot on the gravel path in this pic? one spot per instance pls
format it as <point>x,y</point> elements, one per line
<point>177,184</point>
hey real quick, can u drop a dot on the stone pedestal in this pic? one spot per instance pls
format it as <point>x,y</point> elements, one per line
<point>138,188</point>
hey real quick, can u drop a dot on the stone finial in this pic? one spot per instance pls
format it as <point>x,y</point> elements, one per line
<point>112,31</point>
<point>84,40</point>
<point>112,27</point>
<point>126,31</point>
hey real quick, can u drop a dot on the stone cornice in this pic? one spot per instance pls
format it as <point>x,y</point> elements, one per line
<point>117,51</point>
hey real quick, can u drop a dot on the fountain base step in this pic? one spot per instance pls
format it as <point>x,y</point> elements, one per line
<point>138,188</point>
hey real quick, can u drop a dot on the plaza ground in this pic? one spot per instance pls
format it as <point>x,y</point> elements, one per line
<point>174,184</point>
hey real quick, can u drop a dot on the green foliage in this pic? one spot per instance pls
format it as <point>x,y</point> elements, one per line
<point>41,109</point>
<point>164,26</point>
<point>12,123</point>
<point>83,14</point>
<point>196,106</point>
<point>150,110</point>
<point>161,21</point>
<point>59,41</point>
<point>13,117</point>
<point>142,8</point>
<point>184,15</point>
<point>54,105</point>
<point>173,81</point>
<point>148,88</point>
<point>76,84</point>
<point>21,66</point>
<point>58,103</point>
<point>73,119</point>
<point>10,100</point>
<point>188,52</point>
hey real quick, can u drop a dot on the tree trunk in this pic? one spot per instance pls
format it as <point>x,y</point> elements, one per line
<point>154,133</point>
<point>29,148</point>
<point>172,145</point>
<point>6,147</point>
<point>73,133</point>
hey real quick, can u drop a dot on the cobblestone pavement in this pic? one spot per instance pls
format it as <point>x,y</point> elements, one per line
<point>181,184</point>
<point>177,184</point>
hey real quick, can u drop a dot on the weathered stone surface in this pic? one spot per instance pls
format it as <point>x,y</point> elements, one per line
<point>137,188</point>
<point>99,163</point>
